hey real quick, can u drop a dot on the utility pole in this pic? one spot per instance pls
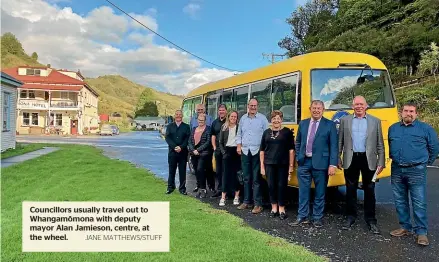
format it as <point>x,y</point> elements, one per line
<point>272,56</point>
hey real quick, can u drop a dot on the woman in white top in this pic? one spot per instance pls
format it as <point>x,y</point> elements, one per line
<point>231,159</point>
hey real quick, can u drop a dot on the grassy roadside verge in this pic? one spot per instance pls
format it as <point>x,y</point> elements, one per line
<point>198,232</point>
<point>21,149</point>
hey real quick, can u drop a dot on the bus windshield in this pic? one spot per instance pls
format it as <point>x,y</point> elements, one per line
<point>337,87</point>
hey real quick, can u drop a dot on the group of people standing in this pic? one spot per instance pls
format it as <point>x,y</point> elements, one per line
<point>251,147</point>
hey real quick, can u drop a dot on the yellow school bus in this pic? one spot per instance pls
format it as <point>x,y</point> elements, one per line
<point>291,85</point>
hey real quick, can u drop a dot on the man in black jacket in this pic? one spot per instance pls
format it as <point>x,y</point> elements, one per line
<point>177,137</point>
<point>215,132</point>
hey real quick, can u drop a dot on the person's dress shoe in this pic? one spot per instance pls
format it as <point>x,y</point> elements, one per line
<point>244,206</point>
<point>423,240</point>
<point>400,232</point>
<point>349,223</point>
<point>317,223</point>
<point>299,222</point>
<point>283,215</point>
<point>257,210</point>
<point>169,191</point>
<point>183,192</point>
<point>374,229</point>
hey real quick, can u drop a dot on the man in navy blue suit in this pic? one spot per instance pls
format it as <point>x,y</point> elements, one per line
<point>316,154</point>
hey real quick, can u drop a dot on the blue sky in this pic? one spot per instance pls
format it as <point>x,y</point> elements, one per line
<point>96,38</point>
<point>233,34</point>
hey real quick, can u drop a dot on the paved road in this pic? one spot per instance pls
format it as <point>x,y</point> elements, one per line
<point>148,150</point>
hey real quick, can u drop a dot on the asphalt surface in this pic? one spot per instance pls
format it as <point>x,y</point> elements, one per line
<point>148,150</point>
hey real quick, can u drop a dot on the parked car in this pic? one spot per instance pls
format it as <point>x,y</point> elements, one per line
<point>106,130</point>
<point>115,129</point>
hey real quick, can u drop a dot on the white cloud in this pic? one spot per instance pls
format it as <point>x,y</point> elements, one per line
<point>103,42</point>
<point>337,84</point>
<point>181,83</point>
<point>191,9</point>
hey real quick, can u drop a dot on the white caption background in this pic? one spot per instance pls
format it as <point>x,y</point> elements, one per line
<point>110,231</point>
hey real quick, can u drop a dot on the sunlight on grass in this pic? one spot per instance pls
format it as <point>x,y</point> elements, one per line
<point>82,173</point>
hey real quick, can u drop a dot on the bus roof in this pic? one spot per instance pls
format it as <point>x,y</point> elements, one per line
<point>306,62</point>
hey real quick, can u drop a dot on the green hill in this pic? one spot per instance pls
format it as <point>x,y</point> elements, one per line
<point>13,53</point>
<point>116,93</point>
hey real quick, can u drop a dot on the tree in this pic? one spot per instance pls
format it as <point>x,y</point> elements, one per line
<point>148,109</point>
<point>145,96</point>
<point>394,31</point>
<point>35,56</point>
<point>305,21</point>
<point>430,60</point>
<point>10,44</point>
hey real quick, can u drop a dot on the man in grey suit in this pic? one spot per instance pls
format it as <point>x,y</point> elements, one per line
<point>361,142</point>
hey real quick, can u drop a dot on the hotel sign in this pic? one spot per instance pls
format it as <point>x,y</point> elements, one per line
<point>24,104</point>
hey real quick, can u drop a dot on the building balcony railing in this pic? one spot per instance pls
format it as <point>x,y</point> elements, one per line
<point>64,104</point>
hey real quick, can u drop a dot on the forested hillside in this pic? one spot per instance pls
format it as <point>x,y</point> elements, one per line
<point>396,31</point>
<point>402,33</point>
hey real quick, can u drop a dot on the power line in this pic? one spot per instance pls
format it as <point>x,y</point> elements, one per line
<point>167,39</point>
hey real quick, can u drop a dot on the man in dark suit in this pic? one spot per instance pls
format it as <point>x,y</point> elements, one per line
<point>362,145</point>
<point>177,137</point>
<point>316,154</point>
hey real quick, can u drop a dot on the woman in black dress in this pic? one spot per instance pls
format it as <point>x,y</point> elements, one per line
<point>277,162</point>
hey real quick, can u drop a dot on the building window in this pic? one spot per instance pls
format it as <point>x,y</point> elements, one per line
<point>64,95</point>
<point>55,119</point>
<point>6,111</point>
<point>27,94</point>
<point>26,119</point>
<point>30,119</point>
<point>35,119</point>
<point>33,72</point>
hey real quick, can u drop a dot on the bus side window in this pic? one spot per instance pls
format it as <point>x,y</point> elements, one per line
<point>187,110</point>
<point>262,92</point>
<point>241,99</point>
<point>284,97</point>
<point>227,99</point>
<point>213,100</point>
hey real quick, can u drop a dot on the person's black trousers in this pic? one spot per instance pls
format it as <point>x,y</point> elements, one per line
<point>219,169</point>
<point>231,164</point>
<point>352,175</point>
<point>177,160</point>
<point>277,176</point>
<point>200,163</point>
